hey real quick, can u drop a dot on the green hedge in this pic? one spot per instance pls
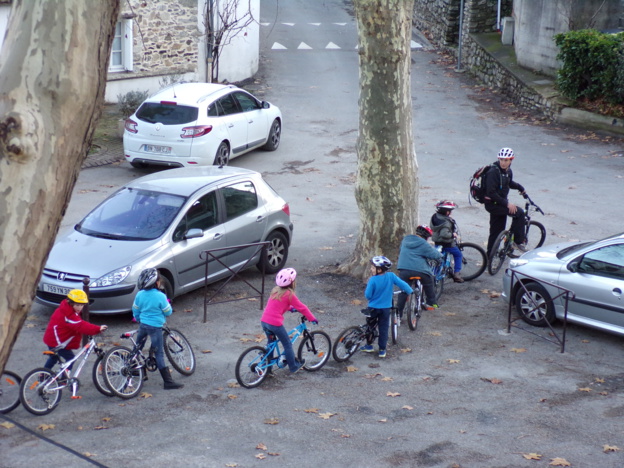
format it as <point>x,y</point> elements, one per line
<point>592,65</point>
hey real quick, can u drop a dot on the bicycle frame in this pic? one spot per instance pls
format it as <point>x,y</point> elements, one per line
<point>72,374</point>
<point>274,344</point>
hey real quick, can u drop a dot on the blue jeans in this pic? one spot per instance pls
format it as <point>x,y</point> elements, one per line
<point>66,354</point>
<point>156,336</point>
<point>457,256</point>
<point>382,325</point>
<point>282,335</point>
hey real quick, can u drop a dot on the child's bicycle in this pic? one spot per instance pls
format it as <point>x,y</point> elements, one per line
<point>255,363</point>
<point>41,389</point>
<point>125,369</point>
<point>9,391</point>
<point>503,245</point>
<point>415,302</point>
<point>350,339</point>
<point>474,262</point>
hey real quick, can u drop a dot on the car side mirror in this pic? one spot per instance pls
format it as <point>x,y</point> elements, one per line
<point>265,105</point>
<point>194,233</point>
<point>573,266</point>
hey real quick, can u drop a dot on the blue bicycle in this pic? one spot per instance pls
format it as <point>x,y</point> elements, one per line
<point>474,262</point>
<point>257,362</point>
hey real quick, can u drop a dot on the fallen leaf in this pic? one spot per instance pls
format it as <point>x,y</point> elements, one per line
<point>273,454</point>
<point>311,410</point>
<point>271,421</point>
<point>407,407</point>
<point>559,462</point>
<point>106,419</point>
<point>610,448</point>
<point>145,395</point>
<point>326,248</point>
<point>261,446</point>
<point>206,351</point>
<point>326,415</point>
<point>7,425</point>
<point>351,369</point>
<point>603,393</point>
<point>45,427</point>
<point>518,350</point>
<point>356,302</point>
<point>450,314</point>
<point>372,376</point>
<point>261,456</point>
<point>532,456</point>
<point>89,454</point>
<point>494,295</point>
<point>232,397</point>
<point>393,394</point>
<point>585,389</point>
<point>434,333</point>
<point>453,361</point>
<point>493,380</point>
<point>383,420</point>
<point>233,385</point>
<point>99,428</point>
<point>231,465</point>
<point>345,436</point>
<point>387,379</point>
<point>406,350</point>
<point>599,380</point>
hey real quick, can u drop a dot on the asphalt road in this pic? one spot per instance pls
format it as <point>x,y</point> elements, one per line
<point>458,392</point>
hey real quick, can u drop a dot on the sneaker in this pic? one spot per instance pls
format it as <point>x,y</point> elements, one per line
<point>431,306</point>
<point>457,278</point>
<point>521,247</point>
<point>300,365</point>
<point>382,353</point>
<point>367,348</point>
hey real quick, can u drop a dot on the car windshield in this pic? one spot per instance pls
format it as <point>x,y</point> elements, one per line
<point>167,113</point>
<point>132,214</point>
<point>576,247</point>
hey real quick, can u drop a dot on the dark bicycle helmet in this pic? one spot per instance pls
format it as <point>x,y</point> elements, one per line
<point>148,278</point>
<point>381,262</point>
<point>445,205</point>
<point>424,231</point>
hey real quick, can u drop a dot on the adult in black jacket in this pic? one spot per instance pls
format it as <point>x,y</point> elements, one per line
<point>498,180</point>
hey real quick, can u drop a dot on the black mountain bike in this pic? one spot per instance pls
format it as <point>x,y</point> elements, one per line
<point>350,339</point>
<point>534,234</point>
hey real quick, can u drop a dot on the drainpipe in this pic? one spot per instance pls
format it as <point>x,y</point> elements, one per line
<point>498,15</point>
<point>461,34</point>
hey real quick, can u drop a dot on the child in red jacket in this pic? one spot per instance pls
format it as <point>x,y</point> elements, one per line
<point>66,327</point>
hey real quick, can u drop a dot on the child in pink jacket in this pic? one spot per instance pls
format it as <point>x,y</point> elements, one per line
<point>281,300</point>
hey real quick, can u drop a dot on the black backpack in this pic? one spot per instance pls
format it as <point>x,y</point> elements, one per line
<point>477,189</point>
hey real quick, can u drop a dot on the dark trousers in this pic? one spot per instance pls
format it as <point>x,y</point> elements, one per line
<point>427,282</point>
<point>498,221</point>
<point>66,354</point>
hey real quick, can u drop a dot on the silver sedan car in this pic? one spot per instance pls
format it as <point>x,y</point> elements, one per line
<point>593,271</point>
<point>165,220</point>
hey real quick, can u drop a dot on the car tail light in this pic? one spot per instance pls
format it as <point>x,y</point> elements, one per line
<point>194,132</point>
<point>286,209</point>
<point>131,126</point>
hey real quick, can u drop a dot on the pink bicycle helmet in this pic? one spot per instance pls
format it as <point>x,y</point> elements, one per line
<point>285,277</point>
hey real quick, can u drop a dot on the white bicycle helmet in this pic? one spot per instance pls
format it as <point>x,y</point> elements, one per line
<point>445,205</point>
<point>381,262</point>
<point>506,153</point>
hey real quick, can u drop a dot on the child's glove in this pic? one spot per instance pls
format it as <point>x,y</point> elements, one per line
<point>315,322</point>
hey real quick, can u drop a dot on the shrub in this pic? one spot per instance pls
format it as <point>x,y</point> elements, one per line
<point>129,102</point>
<point>591,61</point>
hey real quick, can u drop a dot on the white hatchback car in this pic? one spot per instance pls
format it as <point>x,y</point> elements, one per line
<point>199,124</point>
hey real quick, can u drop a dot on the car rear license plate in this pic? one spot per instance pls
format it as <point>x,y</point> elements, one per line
<point>157,149</point>
<point>56,289</point>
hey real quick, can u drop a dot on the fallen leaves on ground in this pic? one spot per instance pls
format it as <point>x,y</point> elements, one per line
<point>356,302</point>
<point>406,350</point>
<point>326,415</point>
<point>610,448</point>
<point>453,361</point>
<point>372,376</point>
<point>532,456</point>
<point>585,389</point>
<point>89,454</point>
<point>387,379</point>
<point>518,350</point>
<point>393,394</point>
<point>7,425</point>
<point>494,380</point>
<point>145,395</point>
<point>271,421</point>
<point>261,446</point>
<point>434,333</point>
<point>45,427</point>
<point>232,397</point>
<point>311,410</point>
<point>206,351</point>
<point>351,368</point>
<point>407,407</point>
<point>559,462</point>
<point>233,385</point>
<point>99,428</point>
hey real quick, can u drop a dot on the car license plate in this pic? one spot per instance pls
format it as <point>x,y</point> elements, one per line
<point>157,149</point>
<point>56,289</point>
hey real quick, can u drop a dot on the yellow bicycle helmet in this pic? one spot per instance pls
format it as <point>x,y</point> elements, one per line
<point>78,296</point>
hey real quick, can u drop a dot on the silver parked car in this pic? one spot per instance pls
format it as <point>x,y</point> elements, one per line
<point>191,124</point>
<point>594,271</point>
<point>165,220</point>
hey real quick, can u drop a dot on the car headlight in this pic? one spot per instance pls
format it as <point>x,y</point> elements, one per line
<point>112,278</point>
<point>517,262</point>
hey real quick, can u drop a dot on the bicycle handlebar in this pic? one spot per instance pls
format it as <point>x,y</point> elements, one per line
<point>531,203</point>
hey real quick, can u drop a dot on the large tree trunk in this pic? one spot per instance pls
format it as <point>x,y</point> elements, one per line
<point>387,178</point>
<point>52,77</point>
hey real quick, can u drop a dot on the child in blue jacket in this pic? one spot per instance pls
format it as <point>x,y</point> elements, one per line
<point>379,291</point>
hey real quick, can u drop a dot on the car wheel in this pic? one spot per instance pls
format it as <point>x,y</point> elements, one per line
<point>534,305</point>
<point>274,257</point>
<point>165,286</point>
<point>274,136</point>
<point>222,157</point>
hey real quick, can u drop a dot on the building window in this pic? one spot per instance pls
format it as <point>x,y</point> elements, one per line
<point>121,51</point>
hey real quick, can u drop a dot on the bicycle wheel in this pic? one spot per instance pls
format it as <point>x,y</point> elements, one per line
<point>315,349</point>
<point>250,367</point>
<point>474,260</point>
<point>122,375</point>
<point>438,286</point>
<point>9,391</point>
<point>535,236</point>
<point>347,343</point>
<point>179,352</point>
<point>33,393</point>
<point>413,307</point>
<point>394,325</point>
<point>98,377</point>
<point>499,252</point>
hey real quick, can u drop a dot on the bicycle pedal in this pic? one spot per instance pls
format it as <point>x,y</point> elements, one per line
<point>76,397</point>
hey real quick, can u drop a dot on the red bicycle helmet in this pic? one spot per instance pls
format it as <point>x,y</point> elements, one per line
<point>424,231</point>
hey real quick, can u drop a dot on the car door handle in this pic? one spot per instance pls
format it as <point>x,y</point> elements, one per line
<point>218,236</point>
<point>230,125</point>
<point>259,218</point>
<point>617,292</point>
